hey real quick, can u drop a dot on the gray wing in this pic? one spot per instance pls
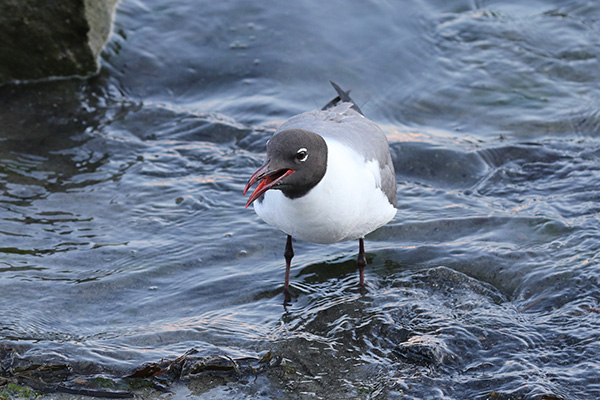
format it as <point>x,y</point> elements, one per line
<point>343,124</point>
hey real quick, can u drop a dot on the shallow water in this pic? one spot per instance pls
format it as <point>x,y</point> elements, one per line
<point>124,238</point>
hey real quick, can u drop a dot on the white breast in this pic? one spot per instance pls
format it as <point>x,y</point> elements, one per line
<point>346,205</point>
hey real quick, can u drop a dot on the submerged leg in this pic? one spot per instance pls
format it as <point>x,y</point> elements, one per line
<point>288,254</point>
<point>361,261</point>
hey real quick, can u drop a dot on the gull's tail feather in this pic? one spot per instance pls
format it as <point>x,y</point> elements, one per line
<point>343,96</point>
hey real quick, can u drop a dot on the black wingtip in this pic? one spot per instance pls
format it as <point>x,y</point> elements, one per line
<point>343,96</point>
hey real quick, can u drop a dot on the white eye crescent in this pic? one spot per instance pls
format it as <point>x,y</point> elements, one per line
<point>302,154</point>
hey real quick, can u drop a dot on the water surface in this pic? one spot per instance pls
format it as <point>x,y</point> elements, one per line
<point>124,239</point>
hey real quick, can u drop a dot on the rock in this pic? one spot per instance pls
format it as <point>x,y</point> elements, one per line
<point>42,39</point>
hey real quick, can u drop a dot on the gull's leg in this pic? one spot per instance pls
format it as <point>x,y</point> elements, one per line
<point>361,261</point>
<point>288,254</point>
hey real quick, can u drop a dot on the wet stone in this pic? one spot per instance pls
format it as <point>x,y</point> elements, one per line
<point>424,350</point>
<point>52,39</point>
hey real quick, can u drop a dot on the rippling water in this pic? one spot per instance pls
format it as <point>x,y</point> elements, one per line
<point>124,238</point>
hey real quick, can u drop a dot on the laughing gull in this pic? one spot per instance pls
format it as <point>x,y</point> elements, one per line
<point>328,178</point>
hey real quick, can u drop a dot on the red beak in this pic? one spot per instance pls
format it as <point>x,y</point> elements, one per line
<point>267,179</point>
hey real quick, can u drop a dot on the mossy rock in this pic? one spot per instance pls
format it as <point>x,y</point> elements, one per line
<point>44,39</point>
<point>12,391</point>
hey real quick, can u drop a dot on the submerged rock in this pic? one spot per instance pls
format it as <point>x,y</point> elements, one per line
<point>42,39</point>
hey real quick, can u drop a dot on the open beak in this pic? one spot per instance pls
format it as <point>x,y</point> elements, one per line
<point>267,178</point>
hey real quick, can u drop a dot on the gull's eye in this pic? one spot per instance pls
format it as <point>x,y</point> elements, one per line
<point>301,155</point>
